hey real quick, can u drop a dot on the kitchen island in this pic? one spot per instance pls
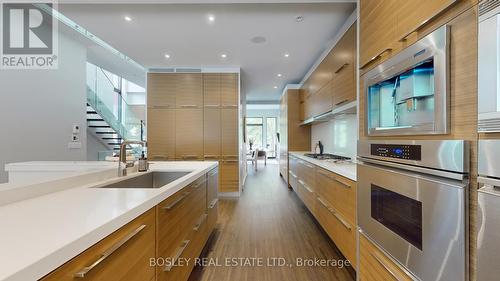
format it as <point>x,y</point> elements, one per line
<point>42,233</point>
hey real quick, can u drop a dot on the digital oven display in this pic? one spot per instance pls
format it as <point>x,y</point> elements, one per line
<point>407,152</point>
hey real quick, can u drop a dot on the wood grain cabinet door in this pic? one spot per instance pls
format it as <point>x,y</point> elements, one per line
<point>377,29</point>
<point>125,255</point>
<point>161,134</point>
<point>229,89</point>
<point>161,90</point>
<point>229,132</point>
<point>211,90</point>
<point>344,80</point>
<point>189,134</point>
<point>212,133</point>
<point>189,90</point>
<point>323,100</point>
<point>229,175</point>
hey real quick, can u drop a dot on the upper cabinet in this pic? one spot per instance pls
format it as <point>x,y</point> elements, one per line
<point>189,90</point>
<point>333,82</point>
<point>386,27</point>
<point>229,89</point>
<point>161,90</point>
<point>211,90</point>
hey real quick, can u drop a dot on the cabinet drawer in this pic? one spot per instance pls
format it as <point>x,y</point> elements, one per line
<point>337,191</point>
<point>342,233</point>
<point>375,265</point>
<point>213,209</point>
<point>308,196</point>
<point>229,175</point>
<point>123,255</point>
<point>306,174</point>
<point>177,214</point>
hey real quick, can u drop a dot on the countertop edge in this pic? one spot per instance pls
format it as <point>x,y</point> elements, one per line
<point>328,166</point>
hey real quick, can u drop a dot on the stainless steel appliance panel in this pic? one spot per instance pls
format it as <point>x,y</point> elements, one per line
<point>441,254</point>
<point>488,231</point>
<point>445,155</point>
<point>489,158</point>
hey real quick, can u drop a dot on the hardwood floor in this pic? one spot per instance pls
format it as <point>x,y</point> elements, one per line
<point>268,221</point>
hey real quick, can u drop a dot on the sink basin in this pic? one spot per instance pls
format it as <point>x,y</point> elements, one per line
<point>149,180</point>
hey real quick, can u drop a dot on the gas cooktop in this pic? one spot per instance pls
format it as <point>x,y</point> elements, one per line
<point>326,156</point>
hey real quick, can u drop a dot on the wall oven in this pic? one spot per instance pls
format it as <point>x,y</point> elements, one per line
<point>408,93</point>
<point>489,66</point>
<point>412,202</point>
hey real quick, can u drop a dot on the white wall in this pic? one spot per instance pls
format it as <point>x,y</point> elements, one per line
<point>39,107</point>
<point>339,136</point>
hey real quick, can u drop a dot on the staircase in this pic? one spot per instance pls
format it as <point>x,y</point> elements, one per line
<point>109,118</point>
<point>102,130</point>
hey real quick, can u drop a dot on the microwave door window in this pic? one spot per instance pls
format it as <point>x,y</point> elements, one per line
<point>401,214</point>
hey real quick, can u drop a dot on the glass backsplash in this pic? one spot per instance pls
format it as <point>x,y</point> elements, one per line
<point>403,101</point>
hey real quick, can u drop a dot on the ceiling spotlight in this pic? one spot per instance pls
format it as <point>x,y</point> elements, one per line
<point>223,56</point>
<point>127,18</point>
<point>167,56</point>
<point>286,55</point>
<point>275,87</point>
<point>299,18</point>
<point>211,18</point>
<point>279,75</point>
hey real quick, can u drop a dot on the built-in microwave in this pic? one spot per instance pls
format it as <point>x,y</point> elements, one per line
<point>409,93</point>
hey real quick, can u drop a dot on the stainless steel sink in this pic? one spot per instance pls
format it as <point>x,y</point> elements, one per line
<point>149,180</point>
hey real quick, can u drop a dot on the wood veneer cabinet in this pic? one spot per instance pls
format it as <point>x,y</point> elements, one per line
<point>189,134</point>
<point>134,245</point>
<point>161,134</point>
<point>386,27</point>
<point>331,198</point>
<point>293,137</point>
<point>333,82</point>
<point>195,116</point>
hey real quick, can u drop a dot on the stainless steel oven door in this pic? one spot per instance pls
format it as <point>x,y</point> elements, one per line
<point>420,220</point>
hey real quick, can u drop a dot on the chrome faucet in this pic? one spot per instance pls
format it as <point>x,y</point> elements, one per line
<point>122,171</point>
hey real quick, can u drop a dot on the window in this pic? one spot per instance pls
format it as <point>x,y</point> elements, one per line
<point>271,144</point>
<point>255,132</point>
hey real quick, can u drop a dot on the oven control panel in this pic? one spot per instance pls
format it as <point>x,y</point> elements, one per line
<point>407,152</point>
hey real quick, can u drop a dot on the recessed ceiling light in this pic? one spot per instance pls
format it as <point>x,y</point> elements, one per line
<point>286,55</point>
<point>275,87</point>
<point>299,18</point>
<point>279,75</point>
<point>258,39</point>
<point>211,18</point>
<point>127,18</point>
<point>223,56</point>
<point>167,56</point>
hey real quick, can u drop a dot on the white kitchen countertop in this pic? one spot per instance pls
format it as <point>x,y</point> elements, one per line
<point>58,166</point>
<point>40,234</point>
<point>345,169</point>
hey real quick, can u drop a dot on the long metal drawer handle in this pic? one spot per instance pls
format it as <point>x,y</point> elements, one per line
<point>340,68</point>
<point>178,254</point>
<point>108,252</point>
<point>177,201</point>
<point>291,173</point>
<point>342,221</point>
<point>229,106</point>
<point>211,174</point>
<point>324,204</point>
<point>305,186</point>
<point>379,260</point>
<point>213,203</point>
<point>341,102</point>
<point>211,156</point>
<point>376,57</point>
<point>189,156</point>
<point>212,105</point>
<point>200,183</point>
<point>200,222</point>
<point>308,165</point>
<point>231,160</point>
<point>189,105</point>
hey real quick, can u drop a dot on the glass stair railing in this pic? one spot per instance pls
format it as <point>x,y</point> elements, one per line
<point>108,114</point>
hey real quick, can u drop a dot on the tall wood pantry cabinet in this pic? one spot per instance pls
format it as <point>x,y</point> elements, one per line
<point>194,117</point>
<point>293,137</point>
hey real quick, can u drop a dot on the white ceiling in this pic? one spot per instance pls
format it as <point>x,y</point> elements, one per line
<point>184,32</point>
